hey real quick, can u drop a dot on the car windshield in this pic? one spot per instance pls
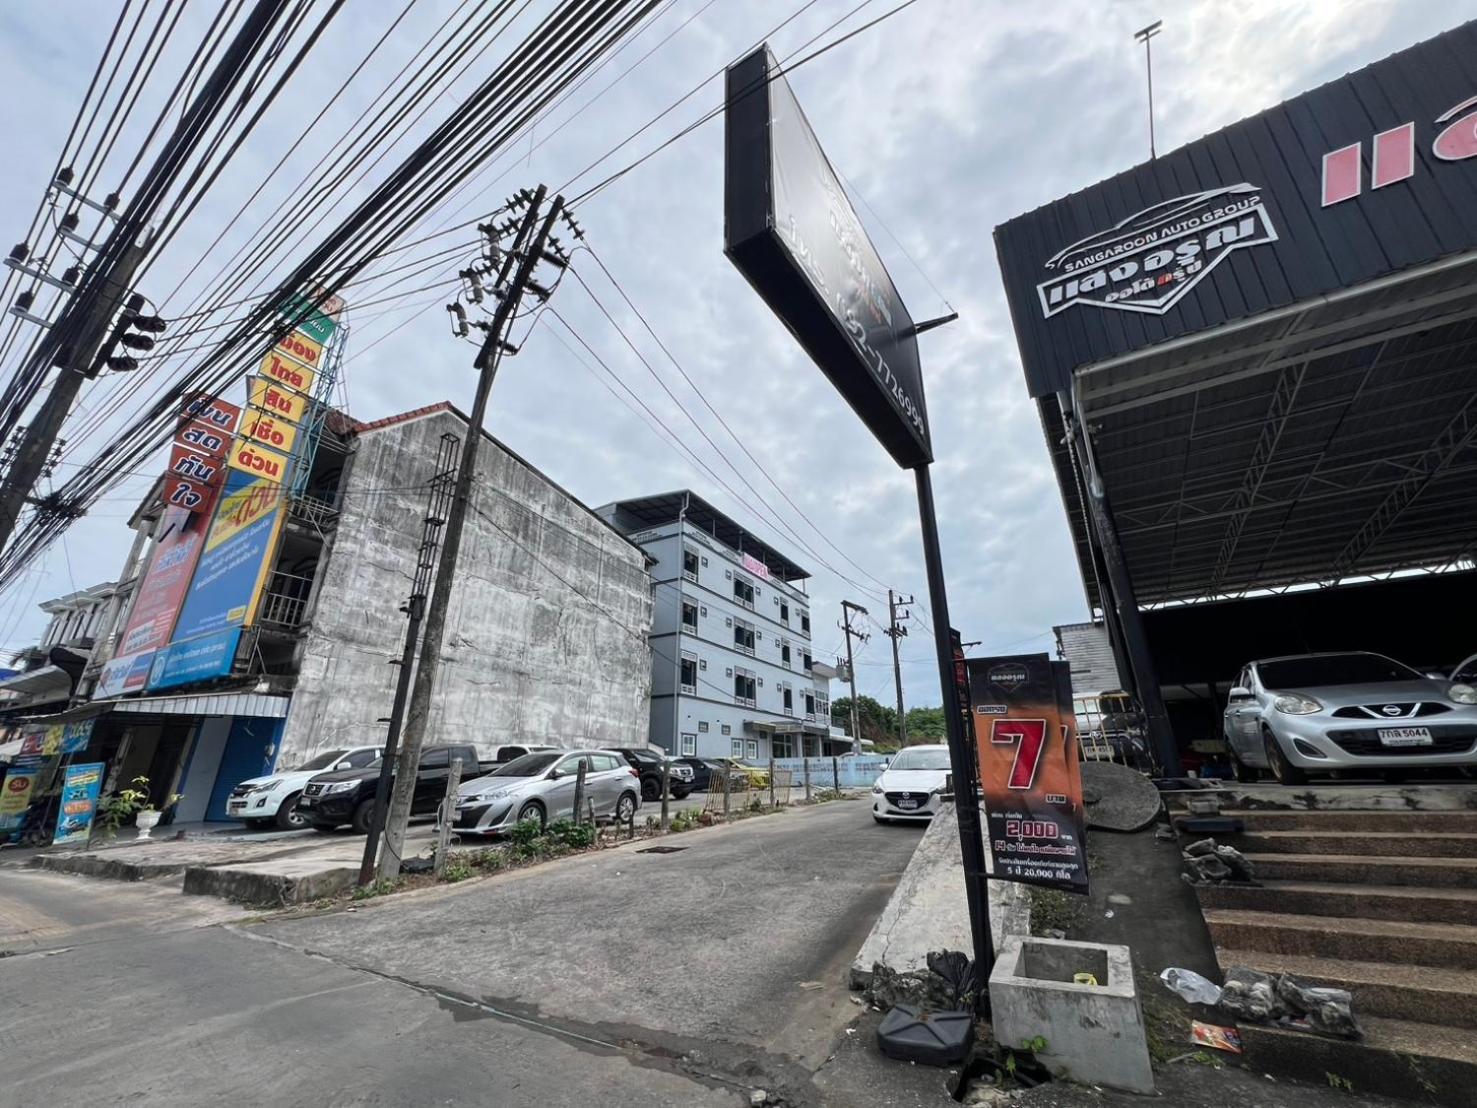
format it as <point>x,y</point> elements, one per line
<point>323,761</point>
<point>921,759</point>
<point>530,765</point>
<point>1332,669</point>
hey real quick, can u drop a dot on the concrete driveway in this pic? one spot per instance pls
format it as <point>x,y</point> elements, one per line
<point>618,978</point>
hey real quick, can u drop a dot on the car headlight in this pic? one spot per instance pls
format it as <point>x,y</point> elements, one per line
<point>1462,694</point>
<point>483,798</point>
<point>877,789</point>
<point>266,786</point>
<point>340,786</point>
<point>1296,704</point>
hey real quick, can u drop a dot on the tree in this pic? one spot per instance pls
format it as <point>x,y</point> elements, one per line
<point>878,723</point>
<point>925,725</point>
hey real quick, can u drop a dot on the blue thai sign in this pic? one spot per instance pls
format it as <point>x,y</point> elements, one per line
<point>232,569</point>
<point>80,789</point>
<point>75,737</point>
<point>197,659</point>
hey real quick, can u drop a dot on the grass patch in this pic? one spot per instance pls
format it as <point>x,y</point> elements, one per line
<point>1055,910</point>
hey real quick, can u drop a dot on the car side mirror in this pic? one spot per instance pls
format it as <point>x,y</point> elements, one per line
<point>343,765</point>
<point>1240,693</point>
<point>554,775</point>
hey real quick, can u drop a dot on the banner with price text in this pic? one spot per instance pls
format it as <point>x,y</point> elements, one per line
<point>1025,733</point>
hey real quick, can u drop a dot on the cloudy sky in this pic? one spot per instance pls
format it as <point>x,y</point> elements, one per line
<point>946,120</point>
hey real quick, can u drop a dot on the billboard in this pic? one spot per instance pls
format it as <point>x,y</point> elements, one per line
<point>276,400</point>
<point>252,459</point>
<point>122,674</point>
<point>186,661</point>
<point>793,234</point>
<point>162,590</point>
<point>1030,776</point>
<point>235,557</point>
<point>15,796</point>
<point>279,434</point>
<point>80,788</point>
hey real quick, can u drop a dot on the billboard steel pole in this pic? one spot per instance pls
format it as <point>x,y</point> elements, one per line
<point>961,757</point>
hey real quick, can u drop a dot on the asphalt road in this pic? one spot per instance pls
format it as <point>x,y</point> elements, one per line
<point>616,978</point>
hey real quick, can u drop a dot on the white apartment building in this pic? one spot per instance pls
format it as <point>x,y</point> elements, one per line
<point>733,668</point>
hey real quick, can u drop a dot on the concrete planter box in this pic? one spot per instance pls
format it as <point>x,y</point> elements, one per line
<point>1094,1033</point>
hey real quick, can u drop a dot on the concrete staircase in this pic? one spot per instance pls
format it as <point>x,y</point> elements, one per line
<point>1380,899</point>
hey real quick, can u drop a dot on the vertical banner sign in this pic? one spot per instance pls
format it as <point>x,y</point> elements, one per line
<point>1029,772</point>
<point>76,736</point>
<point>237,555</point>
<point>15,796</point>
<point>80,788</point>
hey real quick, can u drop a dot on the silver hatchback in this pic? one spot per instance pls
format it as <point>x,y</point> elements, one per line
<point>1317,713</point>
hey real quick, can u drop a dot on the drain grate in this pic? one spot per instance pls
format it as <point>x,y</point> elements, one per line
<point>661,850</point>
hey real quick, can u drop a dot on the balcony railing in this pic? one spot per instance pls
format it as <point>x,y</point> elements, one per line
<point>285,602</point>
<point>313,510</point>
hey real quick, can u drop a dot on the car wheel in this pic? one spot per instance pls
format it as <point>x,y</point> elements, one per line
<point>1246,774</point>
<point>651,788</point>
<point>680,794</point>
<point>625,808</point>
<point>288,817</point>
<point>363,817</point>
<point>532,809</point>
<point>1283,771</point>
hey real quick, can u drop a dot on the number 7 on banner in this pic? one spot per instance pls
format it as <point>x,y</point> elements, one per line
<point>1029,738</point>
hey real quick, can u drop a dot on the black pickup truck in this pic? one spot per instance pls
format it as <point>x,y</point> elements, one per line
<point>347,795</point>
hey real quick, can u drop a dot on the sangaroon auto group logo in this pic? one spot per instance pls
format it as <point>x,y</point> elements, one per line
<point>1150,260</point>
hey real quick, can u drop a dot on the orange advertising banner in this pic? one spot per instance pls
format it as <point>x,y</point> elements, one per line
<point>1030,775</point>
<point>273,398</point>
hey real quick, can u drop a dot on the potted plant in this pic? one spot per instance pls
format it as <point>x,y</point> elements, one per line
<point>131,802</point>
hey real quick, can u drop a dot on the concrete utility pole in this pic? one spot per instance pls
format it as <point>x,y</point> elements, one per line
<point>847,608</point>
<point>527,251</point>
<point>896,631</point>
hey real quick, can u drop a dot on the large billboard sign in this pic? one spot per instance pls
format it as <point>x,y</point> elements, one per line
<point>199,659</point>
<point>1026,738</point>
<point>1372,174</point>
<point>792,232</point>
<point>237,553</point>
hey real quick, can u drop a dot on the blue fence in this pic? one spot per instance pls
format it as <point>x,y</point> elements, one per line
<point>855,773</point>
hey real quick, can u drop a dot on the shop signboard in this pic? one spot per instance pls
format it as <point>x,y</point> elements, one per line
<point>791,231</point>
<point>198,659</point>
<point>301,349</point>
<point>262,427</point>
<point>75,737</point>
<point>212,410</point>
<point>124,674</point>
<point>194,465</point>
<point>236,557</point>
<point>314,315</point>
<point>160,594</point>
<point>1030,775</point>
<point>255,460</point>
<point>755,566</point>
<point>15,795</point>
<point>276,400</point>
<point>33,742</point>
<point>80,788</point>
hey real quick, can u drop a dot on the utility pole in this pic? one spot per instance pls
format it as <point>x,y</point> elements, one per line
<point>896,631</point>
<point>1144,36</point>
<point>527,250</point>
<point>847,608</point>
<point>438,500</point>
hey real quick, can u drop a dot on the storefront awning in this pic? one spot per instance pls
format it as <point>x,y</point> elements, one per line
<point>257,705</point>
<point>786,727</point>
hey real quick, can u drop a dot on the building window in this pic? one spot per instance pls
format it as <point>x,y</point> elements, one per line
<point>689,564</point>
<point>809,705</point>
<point>689,615</point>
<point>823,706</point>
<point>689,674</point>
<point>689,745</point>
<point>736,748</point>
<point>783,746</point>
<point>805,622</point>
<point>808,662</point>
<point>785,653</point>
<point>784,613</point>
<point>702,725</point>
<point>743,636</point>
<point>752,750</point>
<point>744,688</point>
<point>787,698</point>
<point>743,592</point>
<point>727,730</point>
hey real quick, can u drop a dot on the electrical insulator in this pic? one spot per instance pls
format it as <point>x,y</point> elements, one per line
<point>20,252</point>
<point>122,363</point>
<point>69,222</point>
<point>136,342</point>
<point>71,275</point>
<point>458,320</point>
<point>153,324</point>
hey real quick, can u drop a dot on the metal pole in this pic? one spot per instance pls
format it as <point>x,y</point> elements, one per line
<point>961,755</point>
<point>422,691</point>
<point>1145,36</point>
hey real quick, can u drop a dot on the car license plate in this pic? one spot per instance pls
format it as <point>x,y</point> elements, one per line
<point>236,806</point>
<point>1405,736</point>
<point>907,804</point>
<point>306,801</point>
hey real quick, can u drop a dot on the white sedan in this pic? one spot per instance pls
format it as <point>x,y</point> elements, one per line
<point>909,787</point>
<point>264,801</point>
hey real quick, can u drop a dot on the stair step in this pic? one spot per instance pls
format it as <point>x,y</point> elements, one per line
<point>1315,898</point>
<point>1361,940</point>
<point>1389,870</point>
<point>1442,822</point>
<point>1380,989</point>
<point>1420,844</point>
<point>1421,1062</point>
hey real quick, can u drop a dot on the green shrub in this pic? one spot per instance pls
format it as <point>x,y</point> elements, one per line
<point>524,832</point>
<point>567,833</point>
<point>456,870</point>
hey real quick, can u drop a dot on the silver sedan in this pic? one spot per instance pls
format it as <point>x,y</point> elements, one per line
<point>541,787</point>
<point>1316,713</point>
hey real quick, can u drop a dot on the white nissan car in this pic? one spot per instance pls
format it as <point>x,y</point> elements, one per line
<point>909,787</point>
<point>264,801</point>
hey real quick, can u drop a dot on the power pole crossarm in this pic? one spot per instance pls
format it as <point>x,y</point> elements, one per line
<point>847,609</point>
<point>895,631</point>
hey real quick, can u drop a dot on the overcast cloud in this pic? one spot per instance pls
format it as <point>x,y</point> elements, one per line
<point>948,119</point>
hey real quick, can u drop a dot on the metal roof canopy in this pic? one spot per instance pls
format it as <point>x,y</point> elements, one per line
<point>1331,439</point>
<point>652,511</point>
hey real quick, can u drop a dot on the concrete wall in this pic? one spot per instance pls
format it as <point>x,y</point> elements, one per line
<point>547,630</point>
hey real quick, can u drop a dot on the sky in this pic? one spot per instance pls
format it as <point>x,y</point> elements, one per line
<point>945,120</point>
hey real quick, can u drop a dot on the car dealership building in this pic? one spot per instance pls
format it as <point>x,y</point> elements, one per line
<point>1255,363</point>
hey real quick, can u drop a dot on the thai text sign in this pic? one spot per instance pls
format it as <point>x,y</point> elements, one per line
<point>258,461</point>
<point>279,434</point>
<point>15,796</point>
<point>236,556</point>
<point>1026,738</point>
<point>280,402</point>
<point>80,789</point>
<point>198,659</point>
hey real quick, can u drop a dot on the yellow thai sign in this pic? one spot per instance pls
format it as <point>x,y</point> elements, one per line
<point>301,348</point>
<point>259,461</point>
<point>268,429</point>
<point>271,397</point>
<point>238,510</point>
<point>285,371</point>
